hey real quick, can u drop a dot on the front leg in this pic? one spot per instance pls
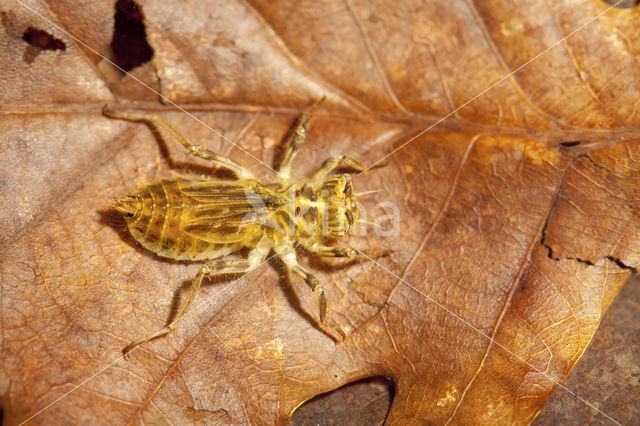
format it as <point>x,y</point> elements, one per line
<point>348,252</point>
<point>333,163</point>
<point>288,256</point>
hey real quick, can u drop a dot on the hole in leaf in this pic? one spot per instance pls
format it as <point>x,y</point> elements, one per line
<point>39,40</point>
<point>129,43</point>
<point>624,4</point>
<point>365,401</point>
<point>43,40</point>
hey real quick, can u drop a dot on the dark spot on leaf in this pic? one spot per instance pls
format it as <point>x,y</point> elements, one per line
<point>39,40</point>
<point>129,42</point>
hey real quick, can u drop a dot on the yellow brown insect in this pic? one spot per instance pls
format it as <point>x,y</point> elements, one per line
<point>204,219</point>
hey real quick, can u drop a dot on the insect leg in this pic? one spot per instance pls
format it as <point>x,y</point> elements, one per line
<point>333,163</point>
<point>349,252</point>
<point>211,269</point>
<point>288,256</point>
<point>194,150</point>
<point>298,137</point>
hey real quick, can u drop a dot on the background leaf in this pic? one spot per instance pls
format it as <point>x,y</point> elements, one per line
<point>519,213</point>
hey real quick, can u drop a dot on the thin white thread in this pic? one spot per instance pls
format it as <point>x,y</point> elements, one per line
<point>151,89</point>
<point>492,86</point>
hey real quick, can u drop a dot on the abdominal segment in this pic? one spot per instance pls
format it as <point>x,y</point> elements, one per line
<point>165,213</point>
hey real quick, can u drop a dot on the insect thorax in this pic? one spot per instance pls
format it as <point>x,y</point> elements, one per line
<point>326,212</point>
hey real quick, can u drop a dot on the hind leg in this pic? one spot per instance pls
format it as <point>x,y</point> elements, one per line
<point>194,150</point>
<point>211,269</point>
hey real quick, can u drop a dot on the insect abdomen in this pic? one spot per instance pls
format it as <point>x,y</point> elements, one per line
<point>155,215</point>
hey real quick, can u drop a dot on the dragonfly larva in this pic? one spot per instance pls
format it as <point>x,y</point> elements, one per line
<point>204,219</point>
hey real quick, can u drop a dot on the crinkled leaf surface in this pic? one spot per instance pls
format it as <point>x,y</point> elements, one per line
<point>519,214</point>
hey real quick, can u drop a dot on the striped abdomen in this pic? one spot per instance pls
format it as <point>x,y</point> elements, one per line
<point>189,219</point>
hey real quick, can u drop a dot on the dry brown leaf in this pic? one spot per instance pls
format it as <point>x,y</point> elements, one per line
<point>609,371</point>
<point>520,214</point>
